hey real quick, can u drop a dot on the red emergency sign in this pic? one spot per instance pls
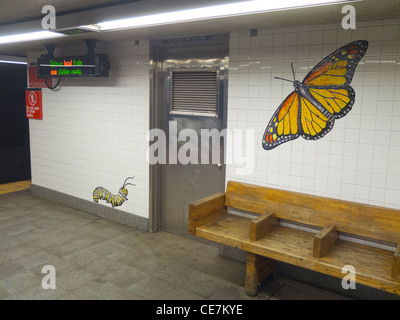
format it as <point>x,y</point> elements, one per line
<point>33,104</point>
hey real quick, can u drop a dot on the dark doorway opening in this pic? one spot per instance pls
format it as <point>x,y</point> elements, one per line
<point>14,126</point>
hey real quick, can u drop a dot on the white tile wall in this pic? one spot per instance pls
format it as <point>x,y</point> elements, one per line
<point>359,160</point>
<point>93,131</point>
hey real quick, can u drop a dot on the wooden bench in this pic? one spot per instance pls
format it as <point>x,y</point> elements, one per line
<point>267,240</point>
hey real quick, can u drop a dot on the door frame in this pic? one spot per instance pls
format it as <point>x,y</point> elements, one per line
<point>155,73</point>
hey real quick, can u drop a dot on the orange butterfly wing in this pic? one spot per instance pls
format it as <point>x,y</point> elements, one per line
<point>337,101</point>
<point>296,116</point>
<point>329,81</point>
<point>337,69</point>
<point>283,125</point>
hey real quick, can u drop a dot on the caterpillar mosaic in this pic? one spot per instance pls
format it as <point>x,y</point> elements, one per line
<point>116,200</point>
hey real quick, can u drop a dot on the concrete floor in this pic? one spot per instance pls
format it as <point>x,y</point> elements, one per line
<point>99,259</point>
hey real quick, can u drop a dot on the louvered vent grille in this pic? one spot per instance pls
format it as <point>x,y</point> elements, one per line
<point>194,91</point>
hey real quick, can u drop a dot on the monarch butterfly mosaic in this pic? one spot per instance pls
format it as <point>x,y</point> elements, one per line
<point>116,200</point>
<point>324,95</point>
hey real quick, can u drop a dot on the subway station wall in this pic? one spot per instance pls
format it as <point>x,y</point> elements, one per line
<point>359,159</point>
<point>93,131</point>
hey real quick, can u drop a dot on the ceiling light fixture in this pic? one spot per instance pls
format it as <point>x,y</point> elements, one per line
<point>31,36</point>
<point>210,12</point>
<point>12,59</point>
<point>12,62</point>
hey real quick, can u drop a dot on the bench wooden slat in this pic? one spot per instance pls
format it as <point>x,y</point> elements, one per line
<point>355,218</point>
<point>373,265</point>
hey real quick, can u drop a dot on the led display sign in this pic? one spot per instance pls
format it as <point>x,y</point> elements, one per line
<point>93,65</point>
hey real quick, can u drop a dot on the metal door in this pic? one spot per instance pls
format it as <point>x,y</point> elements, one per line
<point>192,93</point>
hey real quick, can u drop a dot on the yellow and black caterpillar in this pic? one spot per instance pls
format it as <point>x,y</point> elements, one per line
<point>116,200</point>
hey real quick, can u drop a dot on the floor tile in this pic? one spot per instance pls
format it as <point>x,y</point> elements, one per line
<point>10,268</point>
<point>3,294</point>
<point>151,287</point>
<point>34,259</point>
<point>73,279</point>
<point>124,276</point>
<point>102,290</point>
<point>37,293</point>
<point>180,294</point>
<point>71,246</point>
<point>81,258</point>
<point>20,281</point>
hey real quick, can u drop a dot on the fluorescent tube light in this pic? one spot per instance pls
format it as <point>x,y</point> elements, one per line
<point>12,59</point>
<point>12,62</point>
<point>217,11</point>
<point>92,27</point>
<point>31,36</point>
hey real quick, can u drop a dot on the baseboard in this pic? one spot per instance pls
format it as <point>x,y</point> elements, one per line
<point>113,214</point>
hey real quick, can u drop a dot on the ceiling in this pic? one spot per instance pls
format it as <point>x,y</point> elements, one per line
<point>17,11</point>
<point>18,16</point>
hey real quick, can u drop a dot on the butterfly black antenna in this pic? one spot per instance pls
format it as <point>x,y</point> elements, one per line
<point>294,75</point>
<point>284,79</point>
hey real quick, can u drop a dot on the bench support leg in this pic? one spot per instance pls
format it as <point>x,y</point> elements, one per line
<point>257,268</point>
